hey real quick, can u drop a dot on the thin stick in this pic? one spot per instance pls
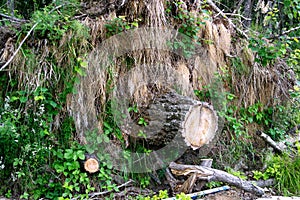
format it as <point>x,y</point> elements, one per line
<point>19,47</point>
<point>285,33</point>
<point>205,192</point>
<point>22,42</point>
<point>12,18</point>
<point>105,192</point>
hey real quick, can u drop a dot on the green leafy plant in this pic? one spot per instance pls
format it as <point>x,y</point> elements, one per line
<point>285,170</point>
<point>189,26</point>
<point>213,184</point>
<point>142,121</point>
<point>120,24</point>
<point>266,52</point>
<point>68,163</point>
<point>239,174</point>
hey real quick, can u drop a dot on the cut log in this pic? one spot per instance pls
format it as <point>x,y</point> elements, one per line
<point>210,174</point>
<point>171,114</point>
<point>91,164</point>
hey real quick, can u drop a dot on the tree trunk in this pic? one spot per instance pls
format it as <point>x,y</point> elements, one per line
<point>11,7</point>
<point>171,114</point>
<point>248,13</point>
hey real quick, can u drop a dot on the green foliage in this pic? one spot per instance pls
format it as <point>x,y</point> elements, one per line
<point>142,121</point>
<point>163,194</point>
<point>67,162</point>
<point>285,170</point>
<point>183,196</point>
<point>294,61</point>
<point>213,184</point>
<point>144,180</point>
<point>26,137</point>
<point>239,174</point>
<point>266,52</point>
<point>54,20</point>
<point>189,25</point>
<point>119,25</point>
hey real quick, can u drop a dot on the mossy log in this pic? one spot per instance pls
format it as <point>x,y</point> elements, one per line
<point>170,114</point>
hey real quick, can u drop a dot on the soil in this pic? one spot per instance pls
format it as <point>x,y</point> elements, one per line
<point>232,194</point>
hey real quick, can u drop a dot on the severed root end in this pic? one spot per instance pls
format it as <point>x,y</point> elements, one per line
<point>91,165</point>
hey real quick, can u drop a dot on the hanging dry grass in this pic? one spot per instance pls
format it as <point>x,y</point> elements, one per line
<point>254,84</point>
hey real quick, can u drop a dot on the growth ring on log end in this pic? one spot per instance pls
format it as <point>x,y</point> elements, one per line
<point>91,165</point>
<point>200,125</point>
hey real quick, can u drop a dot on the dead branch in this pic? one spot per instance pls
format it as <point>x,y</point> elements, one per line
<point>210,174</point>
<point>264,183</point>
<point>277,146</point>
<point>284,33</point>
<point>217,9</point>
<point>14,19</point>
<point>204,163</point>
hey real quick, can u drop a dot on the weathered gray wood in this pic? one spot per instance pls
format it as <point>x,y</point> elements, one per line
<point>204,163</point>
<point>210,174</point>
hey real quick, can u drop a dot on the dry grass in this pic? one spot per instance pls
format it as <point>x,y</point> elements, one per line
<point>267,85</point>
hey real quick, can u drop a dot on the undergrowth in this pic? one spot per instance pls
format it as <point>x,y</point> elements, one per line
<point>38,155</point>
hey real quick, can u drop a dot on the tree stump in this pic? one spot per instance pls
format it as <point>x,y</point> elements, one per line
<point>91,163</point>
<point>170,114</point>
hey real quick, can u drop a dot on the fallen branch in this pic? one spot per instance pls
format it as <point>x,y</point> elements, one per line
<point>264,183</point>
<point>210,174</point>
<point>13,18</point>
<point>217,9</point>
<point>204,163</point>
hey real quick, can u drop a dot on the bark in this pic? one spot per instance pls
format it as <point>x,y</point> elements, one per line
<point>171,114</point>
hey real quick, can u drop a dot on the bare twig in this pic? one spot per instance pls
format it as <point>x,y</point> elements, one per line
<point>106,192</point>
<point>285,33</point>
<point>19,47</point>
<point>238,15</point>
<point>13,18</point>
<point>291,30</point>
<point>217,9</point>
<point>92,195</point>
<point>22,42</point>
